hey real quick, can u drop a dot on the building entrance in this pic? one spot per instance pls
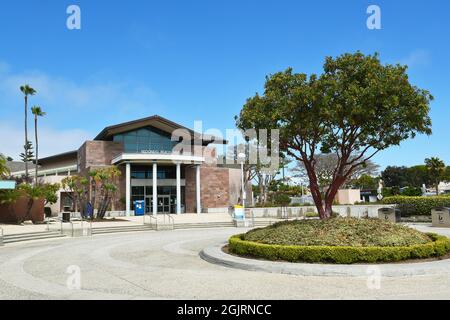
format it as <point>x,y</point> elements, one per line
<point>163,204</point>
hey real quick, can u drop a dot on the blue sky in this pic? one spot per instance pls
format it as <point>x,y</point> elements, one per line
<point>200,60</point>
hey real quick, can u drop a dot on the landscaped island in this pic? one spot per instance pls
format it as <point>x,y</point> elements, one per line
<point>339,240</point>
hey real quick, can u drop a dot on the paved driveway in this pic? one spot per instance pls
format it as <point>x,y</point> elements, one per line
<point>166,265</point>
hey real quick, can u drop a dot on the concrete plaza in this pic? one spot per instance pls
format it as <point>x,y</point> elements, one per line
<point>166,265</point>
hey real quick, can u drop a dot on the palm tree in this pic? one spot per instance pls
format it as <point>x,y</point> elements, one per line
<point>436,169</point>
<point>27,91</point>
<point>37,111</point>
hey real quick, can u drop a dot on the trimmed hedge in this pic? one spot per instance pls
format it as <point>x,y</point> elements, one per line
<point>339,255</point>
<point>410,206</point>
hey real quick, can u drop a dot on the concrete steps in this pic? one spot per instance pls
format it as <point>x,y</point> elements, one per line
<point>104,230</point>
<point>260,224</point>
<point>224,224</point>
<point>11,238</point>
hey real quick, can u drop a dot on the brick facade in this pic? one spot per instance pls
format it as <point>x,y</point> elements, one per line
<point>97,154</point>
<point>214,184</point>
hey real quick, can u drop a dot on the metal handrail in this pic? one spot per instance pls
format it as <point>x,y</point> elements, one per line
<point>171,219</point>
<point>156,221</point>
<point>1,236</point>
<point>71,224</point>
<point>151,217</point>
<point>82,225</point>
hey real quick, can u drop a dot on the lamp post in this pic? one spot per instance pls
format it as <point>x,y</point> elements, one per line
<point>241,157</point>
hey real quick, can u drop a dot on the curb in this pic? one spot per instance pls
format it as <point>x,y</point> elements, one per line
<point>215,255</point>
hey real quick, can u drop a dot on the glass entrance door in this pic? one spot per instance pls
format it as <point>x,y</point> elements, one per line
<point>148,204</point>
<point>163,204</point>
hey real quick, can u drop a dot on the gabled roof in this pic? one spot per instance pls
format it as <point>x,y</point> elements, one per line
<point>157,122</point>
<point>70,155</point>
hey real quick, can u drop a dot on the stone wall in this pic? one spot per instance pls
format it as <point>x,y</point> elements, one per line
<point>357,211</point>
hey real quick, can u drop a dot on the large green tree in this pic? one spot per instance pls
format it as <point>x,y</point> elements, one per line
<point>400,177</point>
<point>394,176</point>
<point>354,109</point>
<point>37,112</point>
<point>418,176</point>
<point>27,91</point>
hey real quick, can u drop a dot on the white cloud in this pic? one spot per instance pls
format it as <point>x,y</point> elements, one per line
<point>51,141</point>
<point>89,94</point>
<point>76,110</point>
<point>417,58</point>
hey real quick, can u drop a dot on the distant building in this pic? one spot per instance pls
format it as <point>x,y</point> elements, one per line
<point>348,196</point>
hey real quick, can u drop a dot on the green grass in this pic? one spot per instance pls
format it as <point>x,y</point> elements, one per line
<point>351,232</point>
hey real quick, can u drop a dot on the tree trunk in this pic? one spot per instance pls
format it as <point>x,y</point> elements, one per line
<point>29,207</point>
<point>324,206</point>
<point>26,138</point>
<point>82,207</point>
<point>37,152</point>
<point>261,191</point>
<point>315,190</point>
<point>103,207</point>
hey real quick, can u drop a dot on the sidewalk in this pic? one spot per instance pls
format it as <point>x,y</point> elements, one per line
<point>187,218</point>
<point>28,227</point>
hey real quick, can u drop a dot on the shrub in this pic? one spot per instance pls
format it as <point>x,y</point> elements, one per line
<point>417,205</point>
<point>439,246</point>
<point>411,192</point>
<point>282,199</point>
<point>342,232</point>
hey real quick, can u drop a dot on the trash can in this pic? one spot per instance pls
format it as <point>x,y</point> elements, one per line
<point>139,207</point>
<point>440,217</point>
<point>48,212</point>
<point>389,214</point>
<point>66,216</point>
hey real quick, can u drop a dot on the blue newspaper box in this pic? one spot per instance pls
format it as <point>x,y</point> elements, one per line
<point>139,207</point>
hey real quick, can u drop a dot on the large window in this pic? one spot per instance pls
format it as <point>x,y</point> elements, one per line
<point>146,172</point>
<point>147,139</point>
